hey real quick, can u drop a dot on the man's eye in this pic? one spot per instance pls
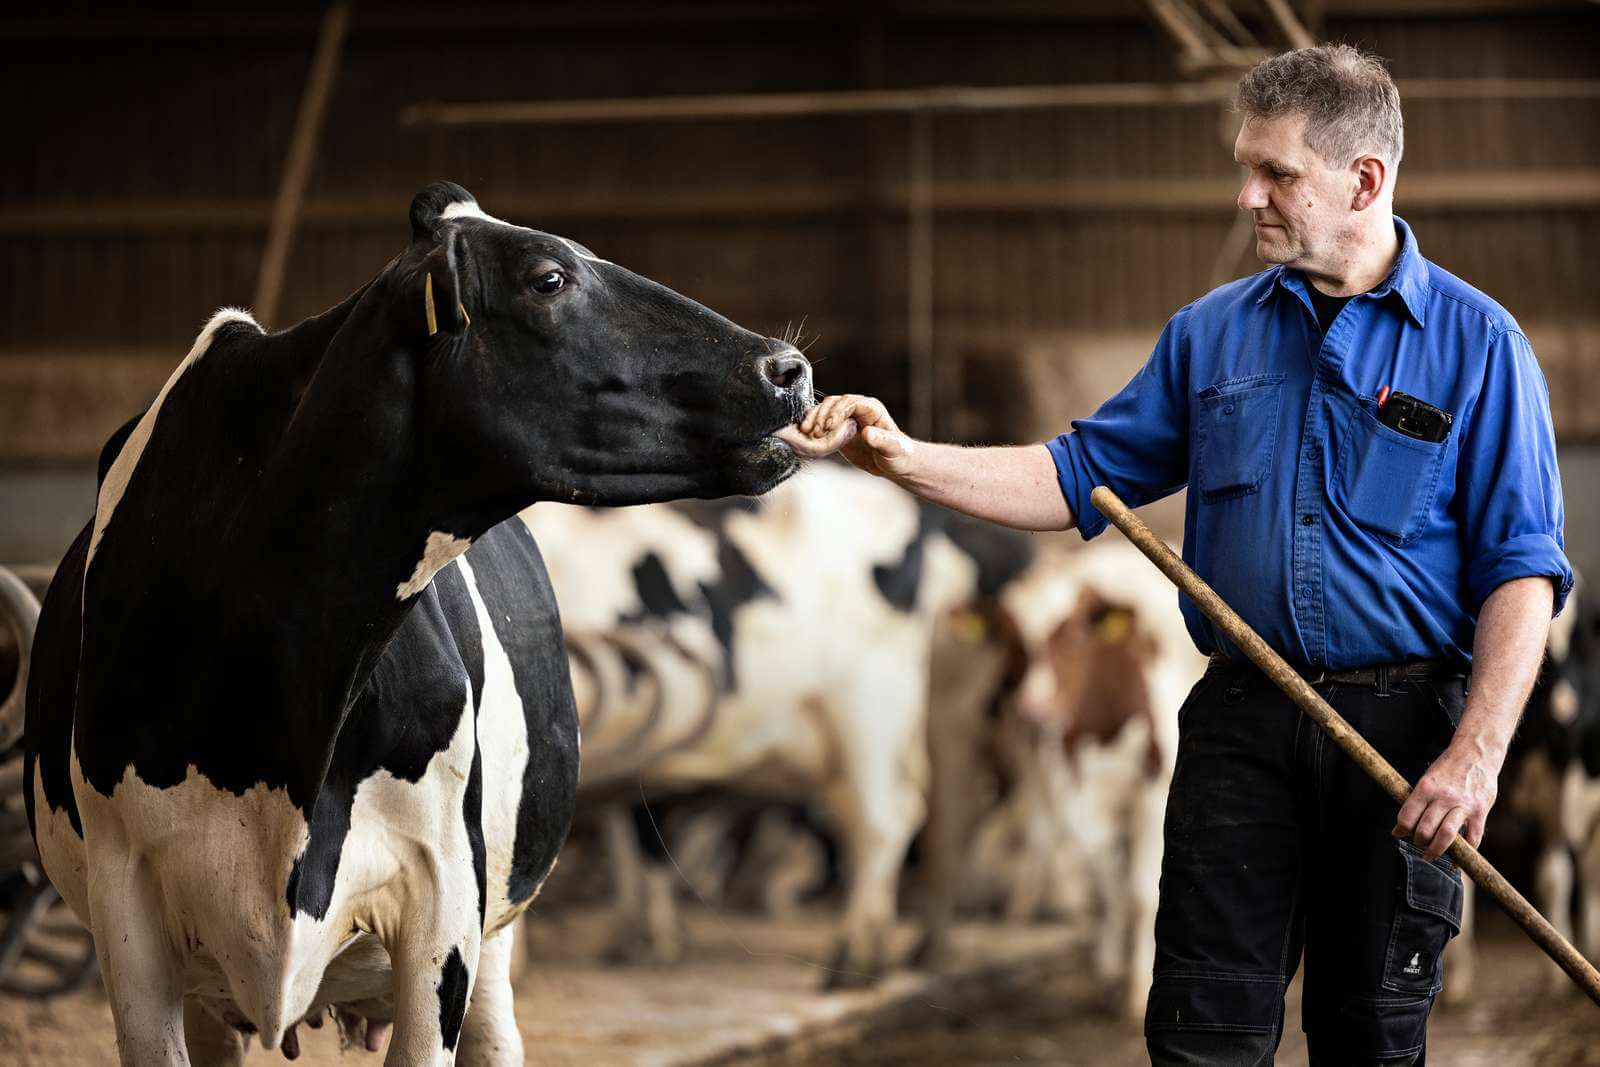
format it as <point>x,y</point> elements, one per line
<point>550,283</point>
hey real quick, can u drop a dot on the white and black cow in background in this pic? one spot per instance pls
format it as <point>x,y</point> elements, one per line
<point>811,613</point>
<point>1550,792</point>
<point>300,730</point>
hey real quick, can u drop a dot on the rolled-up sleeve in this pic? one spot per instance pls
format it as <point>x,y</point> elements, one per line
<point>1137,442</point>
<point>1509,482</point>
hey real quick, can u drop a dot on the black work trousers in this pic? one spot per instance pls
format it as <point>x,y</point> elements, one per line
<point>1276,842</point>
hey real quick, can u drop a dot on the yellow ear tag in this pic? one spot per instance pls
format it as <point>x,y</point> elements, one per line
<point>466,320</point>
<point>970,627</point>
<point>1114,626</point>
<point>427,305</point>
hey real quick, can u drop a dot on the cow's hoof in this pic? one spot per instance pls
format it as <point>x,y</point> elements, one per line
<point>933,953</point>
<point>843,973</point>
<point>641,951</point>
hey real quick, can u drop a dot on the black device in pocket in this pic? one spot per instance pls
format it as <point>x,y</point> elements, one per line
<point>1406,414</point>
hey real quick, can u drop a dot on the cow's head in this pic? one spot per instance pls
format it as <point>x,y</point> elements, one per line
<point>1086,673</point>
<point>550,373</point>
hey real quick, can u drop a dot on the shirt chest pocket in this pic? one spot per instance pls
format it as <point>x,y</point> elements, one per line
<point>1238,433</point>
<point>1385,480</point>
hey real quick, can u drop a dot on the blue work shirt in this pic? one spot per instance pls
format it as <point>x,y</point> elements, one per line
<point>1341,541</point>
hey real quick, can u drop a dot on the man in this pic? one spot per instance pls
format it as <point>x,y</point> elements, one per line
<point>1372,481</point>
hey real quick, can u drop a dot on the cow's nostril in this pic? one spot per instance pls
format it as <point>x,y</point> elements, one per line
<point>785,370</point>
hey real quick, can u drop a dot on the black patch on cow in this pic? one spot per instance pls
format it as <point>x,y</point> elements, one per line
<point>657,598</point>
<point>999,552</point>
<point>522,605</point>
<point>408,711</point>
<point>204,536</point>
<point>452,998</point>
<point>899,582</point>
<point>52,687</point>
<point>737,584</point>
<point>472,813</point>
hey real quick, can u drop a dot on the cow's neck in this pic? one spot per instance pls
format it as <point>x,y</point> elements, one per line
<point>329,541</point>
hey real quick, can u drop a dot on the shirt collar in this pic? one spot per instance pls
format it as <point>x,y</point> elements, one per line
<point>1408,279</point>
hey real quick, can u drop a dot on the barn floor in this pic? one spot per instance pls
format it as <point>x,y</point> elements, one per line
<point>1513,1020</point>
<point>749,988</point>
<point>748,997</point>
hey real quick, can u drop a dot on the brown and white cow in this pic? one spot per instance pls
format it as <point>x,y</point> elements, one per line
<point>1089,662</point>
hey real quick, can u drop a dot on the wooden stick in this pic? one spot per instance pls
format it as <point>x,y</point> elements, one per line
<point>297,164</point>
<point>1366,757</point>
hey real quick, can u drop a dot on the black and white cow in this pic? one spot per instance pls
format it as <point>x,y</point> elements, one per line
<point>811,611</point>
<point>300,729</point>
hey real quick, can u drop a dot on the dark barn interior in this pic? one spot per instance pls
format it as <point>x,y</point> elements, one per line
<point>981,211</point>
<point>990,266</point>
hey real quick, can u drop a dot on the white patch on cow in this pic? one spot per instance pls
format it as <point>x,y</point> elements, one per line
<point>440,549</point>
<point>469,209</point>
<point>595,597</point>
<point>121,470</point>
<point>581,253</point>
<point>503,741</point>
<point>215,865</point>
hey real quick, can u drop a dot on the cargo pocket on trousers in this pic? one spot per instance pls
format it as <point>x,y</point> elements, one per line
<point>1237,435</point>
<point>1427,915</point>
<point>1385,480</point>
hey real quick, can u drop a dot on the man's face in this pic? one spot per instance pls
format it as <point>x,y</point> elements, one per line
<point>1302,204</point>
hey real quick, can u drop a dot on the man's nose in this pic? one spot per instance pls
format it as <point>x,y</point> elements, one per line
<point>1253,197</point>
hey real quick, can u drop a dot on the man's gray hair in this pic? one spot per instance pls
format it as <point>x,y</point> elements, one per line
<point>1350,103</point>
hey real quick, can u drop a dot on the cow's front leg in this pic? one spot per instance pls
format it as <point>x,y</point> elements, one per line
<point>435,963</point>
<point>140,966</point>
<point>876,815</point>
<point>489,1036</point>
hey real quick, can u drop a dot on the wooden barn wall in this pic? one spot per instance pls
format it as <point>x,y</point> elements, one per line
<point>139,197</point>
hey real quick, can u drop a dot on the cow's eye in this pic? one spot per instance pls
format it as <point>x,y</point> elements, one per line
<point>550,283</point>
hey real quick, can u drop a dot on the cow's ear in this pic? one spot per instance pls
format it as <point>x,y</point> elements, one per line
<point>435,290</point>
<point>429,205</point>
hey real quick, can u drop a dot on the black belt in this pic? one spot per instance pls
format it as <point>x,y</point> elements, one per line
<point>1383,674</point>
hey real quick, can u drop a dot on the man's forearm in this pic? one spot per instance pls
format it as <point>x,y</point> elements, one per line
<point>1456,793</point>
<point>1013,485</point>
<point>1506,651</point>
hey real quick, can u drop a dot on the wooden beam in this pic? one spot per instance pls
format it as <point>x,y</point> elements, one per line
<point>297,163</point>
<point>1547,190</point>
<point>813,104</point>
<point>746,106</point>
<point>653,14</point>
<point>1289,24</point>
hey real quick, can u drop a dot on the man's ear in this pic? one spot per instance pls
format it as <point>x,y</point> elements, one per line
<point>1372,178</point>
<point>435,290</point>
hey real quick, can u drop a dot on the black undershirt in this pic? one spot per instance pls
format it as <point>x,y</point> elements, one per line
<point>1327,307</point>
